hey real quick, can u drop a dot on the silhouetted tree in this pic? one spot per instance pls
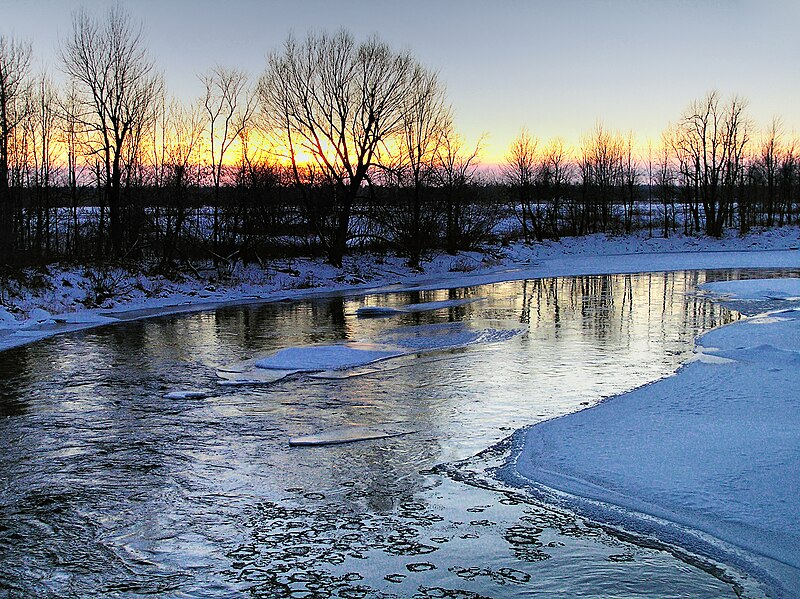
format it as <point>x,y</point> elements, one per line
<point>468,218</point>
<point>117,85</point>
<point>336,101</point>
<point>553,180</point>
<point>519,175</point>
<point>711,141</point>
<point>410,220</point>
<point>229,107</point>
<point>15,60</point>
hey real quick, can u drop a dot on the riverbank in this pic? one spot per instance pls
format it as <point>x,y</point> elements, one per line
<point>705,460</point>
<point>69,299</point>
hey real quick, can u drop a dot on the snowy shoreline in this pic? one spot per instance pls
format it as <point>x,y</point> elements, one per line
<point>60,308</point>
<point>704,460</point>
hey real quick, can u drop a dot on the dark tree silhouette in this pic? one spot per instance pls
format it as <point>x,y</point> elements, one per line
<point>15,58</point>
<point>117,86</point>
<point>711,138</point>
<point>336,101</point>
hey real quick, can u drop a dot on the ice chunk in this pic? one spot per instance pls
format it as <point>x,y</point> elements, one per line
<point>428,306</point>
<point>247,374</point>
<point>185,395</point>
<point>349,434</point>
<point>344,360</point>
<point>312,358</point>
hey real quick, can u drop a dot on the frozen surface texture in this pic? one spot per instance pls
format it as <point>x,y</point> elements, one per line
<point>706,459</point>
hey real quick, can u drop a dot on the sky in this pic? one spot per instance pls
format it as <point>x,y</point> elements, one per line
<point>555,67</point>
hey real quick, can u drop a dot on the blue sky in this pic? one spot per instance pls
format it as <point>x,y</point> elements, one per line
<point>555,67</point>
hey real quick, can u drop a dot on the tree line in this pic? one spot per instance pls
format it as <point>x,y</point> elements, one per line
<point>339,144</point>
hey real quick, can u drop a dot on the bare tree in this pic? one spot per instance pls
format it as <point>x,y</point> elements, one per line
<point>41,132</point>
<point>467,219</point>
<point>411,219</point>
<point>176,139</point>
<point>519,175</point>
<point>602,181</point>
<point>117,84</point>
<point>629,172</point>
<point>554,177</point>
<point>664,179</point>
<point>336,101</point>
<point>788,180</point>
<point>768,164</point>
<point>712,137</point>
<point>15,58</point>
<point>229,107</point>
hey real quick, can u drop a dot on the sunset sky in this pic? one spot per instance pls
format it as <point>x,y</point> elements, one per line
<point>556,67</point>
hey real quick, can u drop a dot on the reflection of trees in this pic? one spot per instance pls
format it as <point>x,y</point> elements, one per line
<point>609,306</point>
<point>17,373</point>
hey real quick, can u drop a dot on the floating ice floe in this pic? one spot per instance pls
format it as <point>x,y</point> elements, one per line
<point>347,359</point>
<point>313,358</point>
<point>185,395</point>
<point>349,434</point>
<point>245,373</point>
<point>705,460</point>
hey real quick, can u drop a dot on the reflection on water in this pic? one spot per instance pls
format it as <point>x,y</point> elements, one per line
<point>109,487</point>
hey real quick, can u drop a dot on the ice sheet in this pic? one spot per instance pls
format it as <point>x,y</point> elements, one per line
<point>706,459</point>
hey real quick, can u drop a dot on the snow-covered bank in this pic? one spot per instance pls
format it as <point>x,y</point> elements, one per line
<point>60,304</point>
<point>705,460</point>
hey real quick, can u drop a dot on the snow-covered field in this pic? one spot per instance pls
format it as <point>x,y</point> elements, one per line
<point>707,459</point>
<point>73,299</point>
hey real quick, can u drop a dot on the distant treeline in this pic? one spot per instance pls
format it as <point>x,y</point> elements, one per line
<point>339,145</point>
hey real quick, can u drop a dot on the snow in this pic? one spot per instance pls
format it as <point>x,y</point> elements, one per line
<point>7,320</point>
<point>70,290</point>
<point>706,459</point>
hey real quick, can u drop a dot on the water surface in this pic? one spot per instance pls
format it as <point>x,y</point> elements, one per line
<point>108,487</point>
